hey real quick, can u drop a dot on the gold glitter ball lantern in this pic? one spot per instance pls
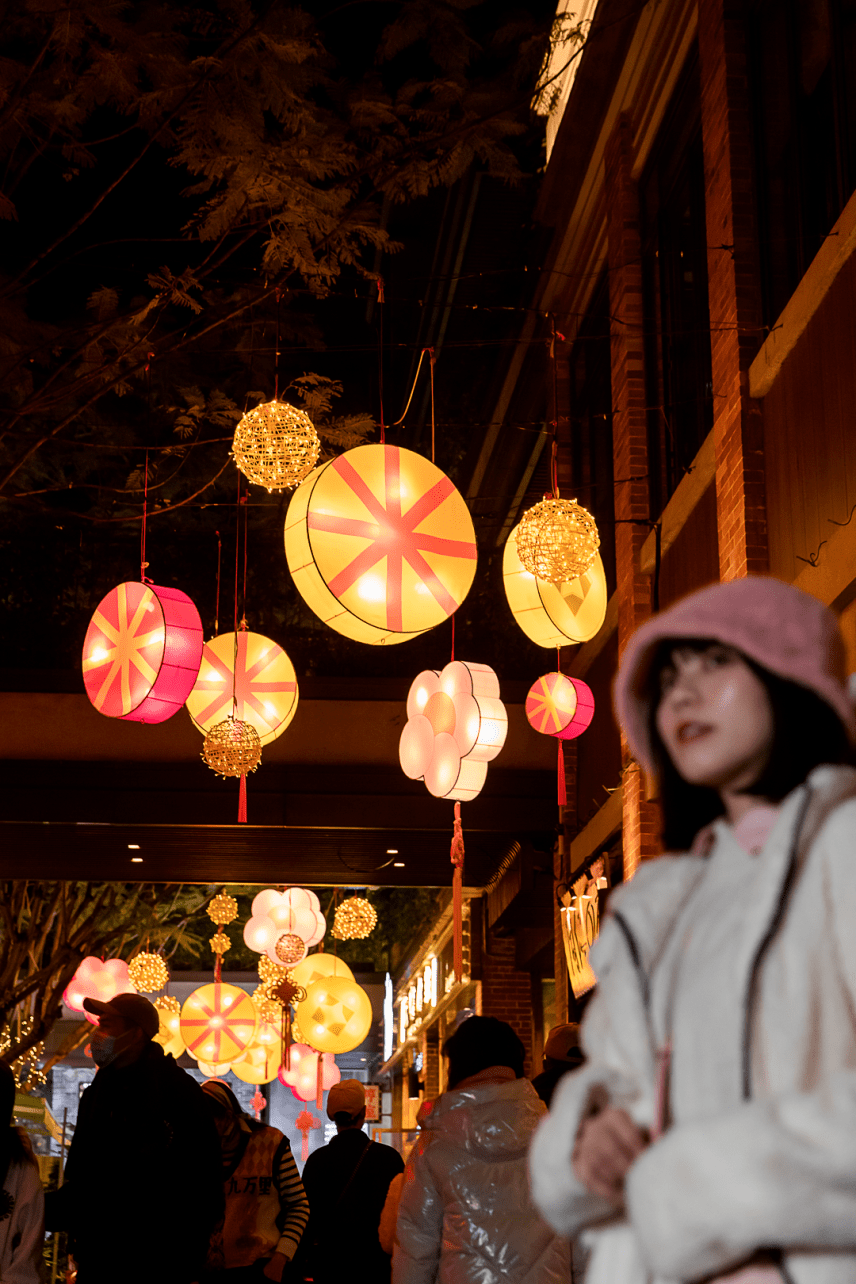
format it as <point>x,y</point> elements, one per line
<point>220,943</point>
<point>557,540</point>
<point>355,919</point>
<point>276,445</point>
<point>290,948</point>
<point>223,909</point>
<point>232,748</point>
<point>148,973</point>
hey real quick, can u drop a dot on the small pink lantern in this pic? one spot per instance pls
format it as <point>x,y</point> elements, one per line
<point>294,913</point>
<point>142,652</point>
<point>563,708</point>
<point>97,980</point>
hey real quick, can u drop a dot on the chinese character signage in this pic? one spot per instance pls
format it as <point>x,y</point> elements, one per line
<point>580,918</point>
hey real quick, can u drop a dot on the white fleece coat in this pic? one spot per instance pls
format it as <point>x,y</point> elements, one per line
<point>21,1225</point>
<point>465,1214</point>
<point>776,1166</point>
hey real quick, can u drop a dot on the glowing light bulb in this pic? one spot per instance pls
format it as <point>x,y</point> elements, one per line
<point>371,589</point>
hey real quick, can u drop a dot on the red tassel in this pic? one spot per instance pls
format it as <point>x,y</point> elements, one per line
<point>457,858</point>
<point>319,1082</point>
<point>242,802</point>
<point>563,789</point>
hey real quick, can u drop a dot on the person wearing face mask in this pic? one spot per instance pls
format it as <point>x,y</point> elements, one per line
<point>266,1205</point>
<point>144,1143</point>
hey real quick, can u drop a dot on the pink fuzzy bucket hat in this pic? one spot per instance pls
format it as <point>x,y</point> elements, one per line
<point>778,626</point>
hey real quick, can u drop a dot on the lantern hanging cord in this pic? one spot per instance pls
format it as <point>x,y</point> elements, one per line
<point>554,363</point>
<point>143,563</point>
<point>396,422</point>
<point>453,637</point>
<point>380,301</point>
<point>217,605</point>
<point>276,351</point>
<point>246,503</point>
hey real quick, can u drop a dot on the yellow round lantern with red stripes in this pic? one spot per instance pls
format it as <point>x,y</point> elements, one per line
<point>552,615</point>
<point>141,653</point>
<point>218,1023</point>
<point>380,544</point>
<point>560,706</point>
<point>259,674</point>
<point>261,1061</point>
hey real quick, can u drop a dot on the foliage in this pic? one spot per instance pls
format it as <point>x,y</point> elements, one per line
<point>48,928</point>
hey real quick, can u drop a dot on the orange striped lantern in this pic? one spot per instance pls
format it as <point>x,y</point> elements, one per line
<point>380,544</point>
<point>141,653</point>
<point>264,683</point>
<point>561,707</point>
<point>218,1023</point>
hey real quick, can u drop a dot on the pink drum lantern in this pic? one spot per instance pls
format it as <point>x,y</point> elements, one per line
<point>142,652</point>
<point>563,708</point>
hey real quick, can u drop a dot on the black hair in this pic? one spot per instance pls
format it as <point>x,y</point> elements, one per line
<point>806,732</point>
<point>480,1042</point>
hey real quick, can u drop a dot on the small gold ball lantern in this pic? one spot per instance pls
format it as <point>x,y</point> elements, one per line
<point>276,445</point>
<point>270,971</point>
<point>557,540</point>
<point>232,748</point>
<point>290,948</point>
<point>355,919</point>
<point>148,973</point>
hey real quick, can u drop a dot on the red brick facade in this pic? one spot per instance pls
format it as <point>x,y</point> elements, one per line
<point>630,449</point>
<point>734,291</point>
<point>506,993</point>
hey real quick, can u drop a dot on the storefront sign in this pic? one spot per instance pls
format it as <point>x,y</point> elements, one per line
<point>580,925</point>
<point>420,998</point>
<point>372,1102</point>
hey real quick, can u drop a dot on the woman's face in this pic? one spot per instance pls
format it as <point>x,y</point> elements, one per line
<point>714,719</point>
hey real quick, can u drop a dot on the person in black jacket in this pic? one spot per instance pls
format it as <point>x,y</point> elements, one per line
<point>142,1190</point>
<point>346,1184</point>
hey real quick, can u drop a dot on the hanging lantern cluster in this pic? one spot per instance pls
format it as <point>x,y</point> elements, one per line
<point>148,973</point>
<point>456,724</point>
<point>276,445</point>
<point>248,676</point>
<point>222,910</point>
<point>380,544</point>
<point>554,615</point>
<point>284,925</point>
<point>96,980</point>
<point>557,540</point>
<point>141,653</point>
<point>354,920</point>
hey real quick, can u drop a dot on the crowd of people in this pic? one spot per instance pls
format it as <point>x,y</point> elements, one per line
<point>701,1127</point>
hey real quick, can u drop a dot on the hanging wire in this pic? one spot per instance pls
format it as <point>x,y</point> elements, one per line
<point>246,503</point>
<point>276,351</point>
<point>380,302</point>
<point>433,363</point>
<point>143,563</point>
<point>217,606</point>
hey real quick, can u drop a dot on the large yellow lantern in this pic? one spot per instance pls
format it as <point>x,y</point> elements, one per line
<point>336,1015</point>
<point>316,967</point>
<point>551,616</point>
<point>218,1023</point>
<point>262,1059</point>
<point>380,544</point>
<point>263,678</point>
<point>169,1032</point>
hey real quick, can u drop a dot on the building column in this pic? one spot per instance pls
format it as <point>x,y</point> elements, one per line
<point>506,993</point>
<point>630,451</point>
<point>734,290</point>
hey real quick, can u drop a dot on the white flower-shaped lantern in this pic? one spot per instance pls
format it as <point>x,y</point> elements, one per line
<point>294,913</point>
<point>456,724</point>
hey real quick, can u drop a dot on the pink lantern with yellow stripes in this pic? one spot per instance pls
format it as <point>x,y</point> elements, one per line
<point>380,544</point>
<point>563,708</point>
<point>141,653</point>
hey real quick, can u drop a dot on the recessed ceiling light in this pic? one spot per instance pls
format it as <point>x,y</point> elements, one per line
<point>392,851</point>
<point>133,847</point>
<point>136,860</point>
<point>398,864</point>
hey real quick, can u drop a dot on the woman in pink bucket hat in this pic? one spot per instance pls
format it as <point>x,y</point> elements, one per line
<point>711,1133</point>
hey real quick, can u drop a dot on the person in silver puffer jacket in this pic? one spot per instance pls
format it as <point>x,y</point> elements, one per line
<point>466,1215</point>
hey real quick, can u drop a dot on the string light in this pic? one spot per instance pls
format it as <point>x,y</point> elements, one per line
<point>232,748</point>
<point>290,948</point>
<point>276,445</point>
<point>354,920</point>
<point>557,540</point>
<point>222,909</point>
<point>148,973</point>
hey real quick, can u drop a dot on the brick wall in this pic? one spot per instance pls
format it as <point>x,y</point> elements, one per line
<point>506,993</point>
<point>734,290</point>
<point>630,448</point>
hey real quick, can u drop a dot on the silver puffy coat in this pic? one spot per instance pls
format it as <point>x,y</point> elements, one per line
<point>466,1215</point>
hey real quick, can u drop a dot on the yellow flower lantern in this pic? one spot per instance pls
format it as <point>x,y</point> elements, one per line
<point>276,445</point>
<point>317,967</point>
<point>169,1032</point>
<point>551,615</point>
<point>336,1014</point>
<point>218,1022</point>
<point>260,675</point>
<point>354,920</point>
<point>557,540</point>
<point>380,544</point>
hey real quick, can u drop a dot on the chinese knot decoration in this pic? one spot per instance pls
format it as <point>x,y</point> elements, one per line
<point>561,707</point>
<point>456,724</point>
<point>380,544</point>
<point>305,1122</point>
<point>141,653</point>
<point>549,614</point>
<point>248,675</point>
